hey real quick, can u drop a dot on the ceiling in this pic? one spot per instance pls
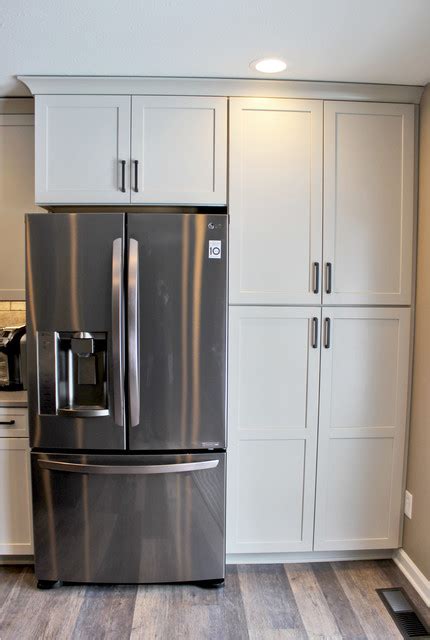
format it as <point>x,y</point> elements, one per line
<point>385,41</point>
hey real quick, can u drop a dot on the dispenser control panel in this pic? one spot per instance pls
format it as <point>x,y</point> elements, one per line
<point>47,371</point>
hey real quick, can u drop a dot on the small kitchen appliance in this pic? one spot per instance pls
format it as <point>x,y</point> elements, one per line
<point>11,358</point>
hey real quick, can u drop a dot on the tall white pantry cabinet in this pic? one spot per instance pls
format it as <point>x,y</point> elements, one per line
<point>321,203</point>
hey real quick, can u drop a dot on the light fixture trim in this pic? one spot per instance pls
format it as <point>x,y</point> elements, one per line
<point>269,65</point>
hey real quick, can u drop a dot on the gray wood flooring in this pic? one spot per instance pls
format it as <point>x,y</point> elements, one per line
<point>273,602</point>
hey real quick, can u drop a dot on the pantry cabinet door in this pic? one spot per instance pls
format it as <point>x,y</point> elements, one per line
<point>179,150</point>
<point>82,149</point>
<point>368,203</point>
<point>362,426</point>
<point>273,413</point>
<point>275,201</point>
<point>16,537</point>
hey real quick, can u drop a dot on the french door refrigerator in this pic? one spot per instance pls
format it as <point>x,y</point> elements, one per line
<point>126,334</point>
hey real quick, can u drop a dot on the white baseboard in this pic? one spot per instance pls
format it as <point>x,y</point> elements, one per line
<point>413,574</point>
<point>307,556</point>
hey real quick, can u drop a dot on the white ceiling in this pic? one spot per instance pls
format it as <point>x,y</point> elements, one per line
<point>384,41</point>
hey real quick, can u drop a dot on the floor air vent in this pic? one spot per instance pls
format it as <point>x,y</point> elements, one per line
<point>402,611</point>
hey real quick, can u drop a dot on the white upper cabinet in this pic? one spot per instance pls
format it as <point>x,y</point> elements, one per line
<point>275,201</point>
<point>91,150</point>
<point>362,427</point>
<point>16,197</point>
<point>368,203</point>
<point>179,150</point>
<point>273,414</point>
<point>82,149</point>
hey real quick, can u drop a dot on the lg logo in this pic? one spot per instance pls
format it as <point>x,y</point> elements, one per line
<point>215,249</point>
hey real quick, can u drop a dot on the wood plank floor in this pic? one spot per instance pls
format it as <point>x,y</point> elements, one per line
<point>258,602</point>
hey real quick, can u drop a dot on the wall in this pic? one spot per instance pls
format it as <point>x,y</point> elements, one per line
<point>11,313</point>
<point>416,540</point>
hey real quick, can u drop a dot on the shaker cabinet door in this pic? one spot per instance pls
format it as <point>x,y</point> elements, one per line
<point>16,196</point>
<point>275,201</point>
<point>362,426</point>
<point>368,203</point>
<point>16,536</point>
<point>82,149</point>
<point>273,413</point>
<point>179,150</point>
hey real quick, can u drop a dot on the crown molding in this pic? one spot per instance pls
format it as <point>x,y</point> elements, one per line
<point>134,85</point>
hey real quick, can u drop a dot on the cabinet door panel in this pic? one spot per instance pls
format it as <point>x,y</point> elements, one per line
<point>180,144</point>
<point>16,537</point>
<point>275,200</point>
<point>369,202</point>
<point>273,391</point>
<point>16,198</point>
<point>362,425</point>
<point>81,142</point>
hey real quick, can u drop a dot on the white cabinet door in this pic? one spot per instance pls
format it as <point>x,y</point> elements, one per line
<point>362,425</point>
<point>368,202</point>
<point>179,150</point>
<point>16,198</point>
<point>16,537</point>
<point>273,413</point>
<point>275,200</point>
<point>82,143</point>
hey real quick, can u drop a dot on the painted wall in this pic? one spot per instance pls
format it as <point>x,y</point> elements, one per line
<point>416,540</point>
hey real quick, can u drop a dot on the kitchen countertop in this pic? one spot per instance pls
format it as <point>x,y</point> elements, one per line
<point>13,398</point>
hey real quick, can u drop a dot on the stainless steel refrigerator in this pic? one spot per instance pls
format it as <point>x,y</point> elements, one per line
<point>126,334</point>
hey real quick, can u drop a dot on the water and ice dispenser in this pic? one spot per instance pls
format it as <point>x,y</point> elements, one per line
<point>73,373</point>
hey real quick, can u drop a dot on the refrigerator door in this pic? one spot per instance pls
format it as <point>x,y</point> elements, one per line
<point>128,518</point>
<point>75,330</point>
<point>177,297</point>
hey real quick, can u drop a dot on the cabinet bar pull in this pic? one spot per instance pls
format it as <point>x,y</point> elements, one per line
<point>316,277</point>
<point>314,333</point>
<point>8,422</point>
<point>122,176</point>
<point>328,277</point>
<point>136,175</point>
<point>327,333</point>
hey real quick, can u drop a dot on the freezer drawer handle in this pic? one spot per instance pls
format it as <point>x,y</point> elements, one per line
<point>118,331</point>
<point>127,470</point>
<point>133,333</point>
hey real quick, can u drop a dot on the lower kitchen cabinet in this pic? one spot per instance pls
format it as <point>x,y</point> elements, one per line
<point>273,413</point>
<point>16,537</point>
<point>280,399</point>
<point>362,427</point>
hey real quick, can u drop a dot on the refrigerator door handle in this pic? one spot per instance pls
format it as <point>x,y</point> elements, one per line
<point>125,470</point>
<point>118,331</point>
<point>133,332</point>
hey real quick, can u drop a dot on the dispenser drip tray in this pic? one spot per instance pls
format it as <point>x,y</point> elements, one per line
<point>84,411</point>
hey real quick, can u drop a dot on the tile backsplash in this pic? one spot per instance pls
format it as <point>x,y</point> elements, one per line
<point>12,312</point>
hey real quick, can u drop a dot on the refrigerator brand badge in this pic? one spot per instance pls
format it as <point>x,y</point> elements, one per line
<point>215,249</point>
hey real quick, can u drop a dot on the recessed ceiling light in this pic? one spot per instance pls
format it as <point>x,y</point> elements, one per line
<point>269,65</point>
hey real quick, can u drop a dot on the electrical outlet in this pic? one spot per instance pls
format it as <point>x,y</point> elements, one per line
<point>408,504</point>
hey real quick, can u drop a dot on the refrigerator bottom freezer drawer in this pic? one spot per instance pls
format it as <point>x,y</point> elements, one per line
<point>129,518</point>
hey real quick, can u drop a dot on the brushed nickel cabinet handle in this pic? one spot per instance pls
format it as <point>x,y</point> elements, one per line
<point>327,326</point>
<point>328,277</point>
<point>122,176</point>
<point>314,333</point>
<point>136,175</point>
<point>316,277</point>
